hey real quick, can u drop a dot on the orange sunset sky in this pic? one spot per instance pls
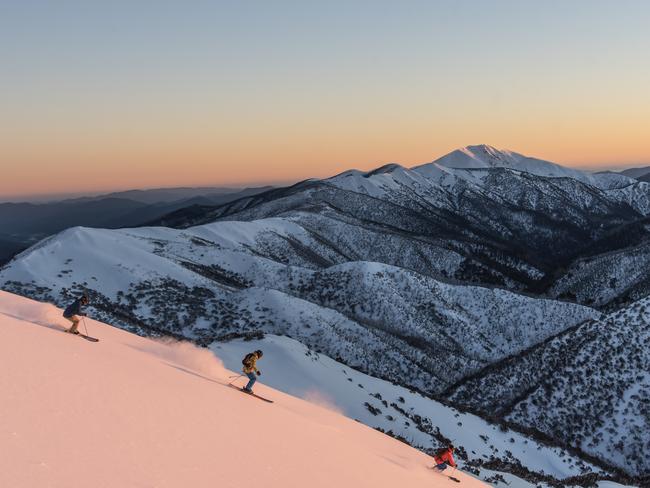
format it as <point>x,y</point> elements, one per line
<point>99,98</point>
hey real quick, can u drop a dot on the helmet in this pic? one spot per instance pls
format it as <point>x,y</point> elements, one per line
<point>259,353</point>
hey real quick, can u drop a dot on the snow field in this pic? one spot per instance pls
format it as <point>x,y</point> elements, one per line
<point>130,412</point>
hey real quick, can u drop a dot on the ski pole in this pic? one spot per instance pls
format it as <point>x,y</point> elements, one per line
<point>235,378</point>
<point>85,328</point>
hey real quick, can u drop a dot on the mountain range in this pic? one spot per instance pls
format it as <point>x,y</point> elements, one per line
<point>23,223</point>
<point>471,279</point>
<point>642,173</point>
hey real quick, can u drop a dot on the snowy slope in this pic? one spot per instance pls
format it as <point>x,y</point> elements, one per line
<point>376,269</point>
<point>129,412</point>
<point>505,219</point>
<point>496,225</point>
<point>291,367</point>
<point>209,282</point>
<point>636,195</point>
<point>590,385</point>
<point>611,279</point>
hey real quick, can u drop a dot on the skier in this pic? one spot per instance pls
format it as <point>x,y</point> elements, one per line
<point>444,457</point>
<point>73,311</point>
<point>250,369</point>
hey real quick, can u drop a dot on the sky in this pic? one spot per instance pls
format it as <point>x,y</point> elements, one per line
<point>99,96</point>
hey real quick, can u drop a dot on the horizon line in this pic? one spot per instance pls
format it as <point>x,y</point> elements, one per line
<point>46,197</point>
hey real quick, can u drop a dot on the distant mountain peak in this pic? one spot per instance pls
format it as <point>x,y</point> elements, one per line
<point>480,156</point>
<point>484,156</point>
<point>386,168</point>
<point>640,173</point>
<point>485,149</point>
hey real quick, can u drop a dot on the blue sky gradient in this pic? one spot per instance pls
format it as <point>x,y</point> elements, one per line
<point>289,89</point>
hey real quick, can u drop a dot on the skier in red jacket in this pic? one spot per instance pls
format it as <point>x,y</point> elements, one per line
<point>445,457</point>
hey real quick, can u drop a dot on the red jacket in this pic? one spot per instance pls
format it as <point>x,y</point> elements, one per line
<point>445,456</point>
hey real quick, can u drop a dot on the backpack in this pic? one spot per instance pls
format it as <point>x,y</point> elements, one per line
<point>248,360</point>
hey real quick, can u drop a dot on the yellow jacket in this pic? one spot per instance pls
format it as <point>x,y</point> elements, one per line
<point>252,364</point>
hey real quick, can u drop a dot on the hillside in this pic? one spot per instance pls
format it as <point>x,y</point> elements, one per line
<point>229,279</point>
<point>471,262</point>
<point>421,421</point>
<point>130,412</point>
<point>611,279</point>
<point>23,224</point>
<point>589,386</point>
<point>9,248</point>
<point>637,173</point>
<point>510,224</point>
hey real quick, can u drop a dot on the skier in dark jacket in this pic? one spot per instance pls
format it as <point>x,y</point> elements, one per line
<point>250,369</point>
<point>73,312</point>
<point>444,457</point>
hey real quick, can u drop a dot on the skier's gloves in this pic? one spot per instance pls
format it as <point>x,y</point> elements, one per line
<point>259,373</point>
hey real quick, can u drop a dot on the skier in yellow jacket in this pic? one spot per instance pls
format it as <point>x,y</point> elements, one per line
<point>250,369</point>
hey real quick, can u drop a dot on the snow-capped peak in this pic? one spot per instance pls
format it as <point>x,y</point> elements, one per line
<point>460,166</point>
<point>480,156</point>
<point>483,156</point>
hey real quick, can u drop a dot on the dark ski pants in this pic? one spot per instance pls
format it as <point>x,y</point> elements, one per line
<point>252,379</point>
<point>75,322</point>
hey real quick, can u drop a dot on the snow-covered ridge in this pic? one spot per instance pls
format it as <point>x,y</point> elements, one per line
<point>260,276</point>
<point>458,165</point>
<point>484,156</point>
<point>472,168</point>
<point>423,422</point>
<point>377,269</point>
<point>591,383</point>
<point>129,412</point>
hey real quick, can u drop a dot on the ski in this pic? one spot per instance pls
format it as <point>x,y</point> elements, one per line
<point>84,336</point>
<point>452,478</point>
<point>88,338</point>
<point>251,394</point>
